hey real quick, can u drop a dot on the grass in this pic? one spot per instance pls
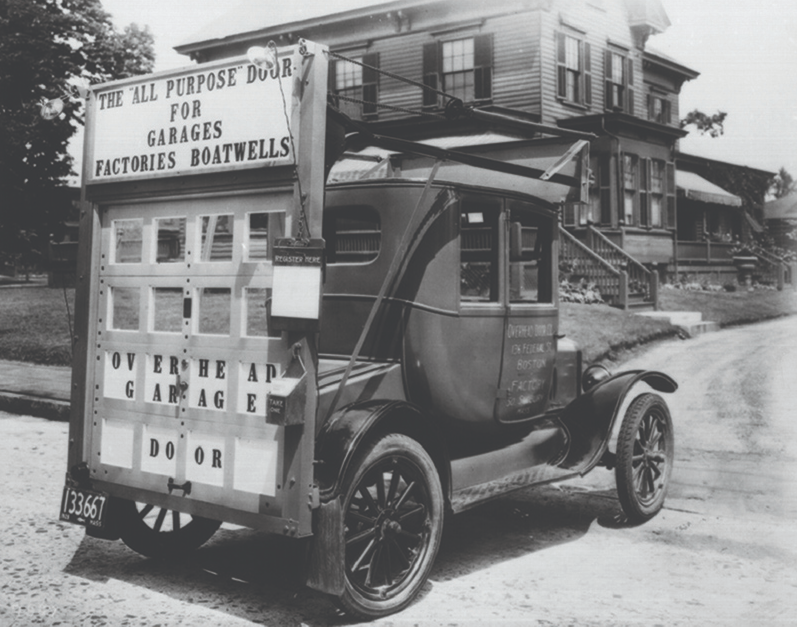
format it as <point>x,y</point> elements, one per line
<point>730,308</point>
<point>34,326</point>
<point>603,332</point>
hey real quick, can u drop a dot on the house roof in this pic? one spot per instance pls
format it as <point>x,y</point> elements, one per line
<point>695,187</point>
<point>251,16</point>
<point>782,209</point>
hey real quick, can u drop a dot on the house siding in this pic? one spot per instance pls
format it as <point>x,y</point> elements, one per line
<point>598,27</point>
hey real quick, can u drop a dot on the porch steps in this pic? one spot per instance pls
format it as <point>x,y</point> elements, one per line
<point>690,322</point>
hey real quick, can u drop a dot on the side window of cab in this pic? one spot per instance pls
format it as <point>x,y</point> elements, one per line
<point>530,240</point>
<point>479,251</point>
<point>353,234</point>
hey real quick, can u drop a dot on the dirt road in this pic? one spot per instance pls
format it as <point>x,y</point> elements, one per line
<point>723,552</point>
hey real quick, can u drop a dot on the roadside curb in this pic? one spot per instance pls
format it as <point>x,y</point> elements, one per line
<point>38,407</point>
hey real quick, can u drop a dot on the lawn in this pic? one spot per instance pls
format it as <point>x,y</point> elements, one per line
<point>34,326</point>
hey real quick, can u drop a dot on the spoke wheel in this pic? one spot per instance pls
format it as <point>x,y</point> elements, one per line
<point>645,450</point>
<point>158,532</point>
<point>393,521</point>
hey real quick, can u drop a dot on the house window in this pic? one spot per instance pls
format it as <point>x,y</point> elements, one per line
<point>574,70</point>
<point>659,109</point>
<point>357,82</point>
<point>657,190</point>
<point>657,193</point>
<point>619,82</point>
<point>630,186</point>
<point>461,68</point>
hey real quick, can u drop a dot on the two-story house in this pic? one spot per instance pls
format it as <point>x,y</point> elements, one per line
<point>579,64</point>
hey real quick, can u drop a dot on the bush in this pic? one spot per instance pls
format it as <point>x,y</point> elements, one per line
<point>581,292</point>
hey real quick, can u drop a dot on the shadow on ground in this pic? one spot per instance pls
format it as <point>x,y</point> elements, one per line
<point>253,576</point>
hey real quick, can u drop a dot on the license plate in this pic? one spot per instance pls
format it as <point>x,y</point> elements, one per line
<point>84,507</point>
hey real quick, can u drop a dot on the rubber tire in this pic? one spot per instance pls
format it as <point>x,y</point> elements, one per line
<point>392,451</point>
<point>640,503</point>
<point>137,534</point>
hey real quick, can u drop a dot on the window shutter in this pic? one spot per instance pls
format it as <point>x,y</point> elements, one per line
<point>587,74</point>
<point>561,70</point>
<point>644,192</point>
<point>649,103</point>
<point>621,190</point>
<point>431,73</point>
<point>607,65</point>
<point>605,180</point>
<point>629,86</point>
<point>483,67</point>
<point>370,83</point>
<point>666,112</point>
<point>670,220</point>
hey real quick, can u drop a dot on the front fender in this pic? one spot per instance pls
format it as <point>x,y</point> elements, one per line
<point>346,430</point>
<point>589,418</point>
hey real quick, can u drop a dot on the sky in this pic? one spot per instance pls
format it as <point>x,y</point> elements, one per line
<point>745,51</point>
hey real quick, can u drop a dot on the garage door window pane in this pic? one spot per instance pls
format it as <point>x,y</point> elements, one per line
<point>171,240</point>
<point>214,311</point>
<point>125,308</point>
<point>258,305</point>
<point>127,241</point>
<point>263,230</point>
<point>217,232</point>
<point>168,309</point>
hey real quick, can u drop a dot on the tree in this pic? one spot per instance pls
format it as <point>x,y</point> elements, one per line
<point>784,184</point>
<point>704,123</point>
<point>45,47</point>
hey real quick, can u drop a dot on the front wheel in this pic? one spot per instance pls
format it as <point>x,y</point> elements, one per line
<point>645,450</point>
<point>393,522</point>
<point>158,532</point>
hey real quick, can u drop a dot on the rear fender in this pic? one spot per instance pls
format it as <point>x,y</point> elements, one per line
<point>346,430</point>
<point>590,418</point>
<point>336,447</point>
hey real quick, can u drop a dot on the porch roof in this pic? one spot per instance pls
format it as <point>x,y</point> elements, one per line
<point>696,187</point>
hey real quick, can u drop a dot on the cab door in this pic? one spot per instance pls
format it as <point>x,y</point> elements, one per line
<point>531,323</point>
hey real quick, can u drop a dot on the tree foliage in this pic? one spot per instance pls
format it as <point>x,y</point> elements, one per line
<point>704,123</point>
<point>784,184</point>
<point>46,46</point>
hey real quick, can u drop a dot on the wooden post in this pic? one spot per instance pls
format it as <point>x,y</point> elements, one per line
<point>624,289</point>
<point>654,289</point>
<point>781,272</point>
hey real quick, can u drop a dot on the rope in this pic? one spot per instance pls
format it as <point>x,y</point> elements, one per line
<point>303,221</point>
<point>386,106</point>
<point>392,75</point>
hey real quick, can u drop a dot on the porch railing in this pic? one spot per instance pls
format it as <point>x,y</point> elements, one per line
<point>640,279</point>
<point>709,252</point>
<point>771,268</point>
<point>577,261</point>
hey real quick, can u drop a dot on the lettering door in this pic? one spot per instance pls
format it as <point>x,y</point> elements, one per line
<point>184,358</point>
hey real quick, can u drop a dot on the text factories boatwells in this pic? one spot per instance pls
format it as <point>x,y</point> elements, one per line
<point>192,122</point>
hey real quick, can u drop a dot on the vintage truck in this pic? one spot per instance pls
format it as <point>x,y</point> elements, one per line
<point>342,362</point>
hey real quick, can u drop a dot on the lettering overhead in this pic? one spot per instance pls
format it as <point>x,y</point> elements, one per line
<point>191,121</point>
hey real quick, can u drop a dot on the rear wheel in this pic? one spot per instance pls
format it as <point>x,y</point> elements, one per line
<point>158,532</point>
<point>645,450</point>
<point>393,522</point>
